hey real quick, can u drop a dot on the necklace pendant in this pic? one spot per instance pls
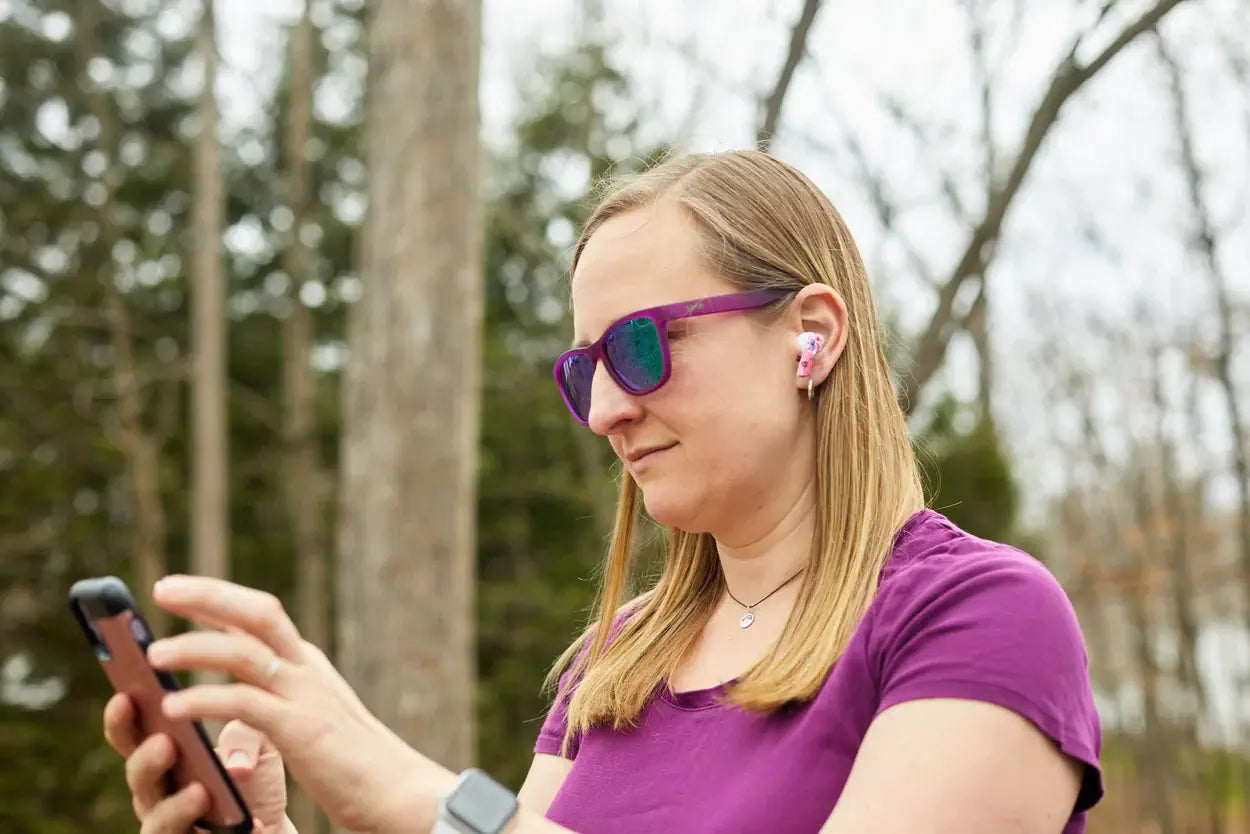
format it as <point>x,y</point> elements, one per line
<point>746,620</point>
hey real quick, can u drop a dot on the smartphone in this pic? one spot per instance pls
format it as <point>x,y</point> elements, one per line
<point>119,636</point>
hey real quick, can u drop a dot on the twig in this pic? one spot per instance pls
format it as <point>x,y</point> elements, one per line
<point>798,45</point>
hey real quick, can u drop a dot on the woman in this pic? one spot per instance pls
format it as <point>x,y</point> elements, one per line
<point>820,652</point>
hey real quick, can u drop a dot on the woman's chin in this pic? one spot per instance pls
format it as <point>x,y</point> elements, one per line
<point>671,507</point>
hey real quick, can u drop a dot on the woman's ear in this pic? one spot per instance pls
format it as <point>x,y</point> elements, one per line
<point>817,309</point>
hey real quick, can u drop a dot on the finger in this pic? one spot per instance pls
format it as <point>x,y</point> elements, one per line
<point>178,813</point>
<point>226,702</point>
<point>236,653</point>
<point>239,746</point>
<point>121,728</point>
<point>207,598</point>
<point>145,771</point>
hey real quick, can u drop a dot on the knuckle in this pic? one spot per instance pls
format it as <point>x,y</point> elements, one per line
<point>241,653</point>
<point>312,652</point>
<point>143,764</point>
<point>132,768</point>
<point>271,608</point>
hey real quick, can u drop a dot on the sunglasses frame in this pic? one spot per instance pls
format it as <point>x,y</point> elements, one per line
<point>660,316</point>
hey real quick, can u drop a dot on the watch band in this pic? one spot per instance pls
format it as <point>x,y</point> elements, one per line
<point>444,826</point>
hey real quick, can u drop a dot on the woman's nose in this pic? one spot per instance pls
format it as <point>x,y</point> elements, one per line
<point>610,405</point>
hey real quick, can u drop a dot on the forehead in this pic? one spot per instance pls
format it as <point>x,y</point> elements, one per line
<point>641,258</point>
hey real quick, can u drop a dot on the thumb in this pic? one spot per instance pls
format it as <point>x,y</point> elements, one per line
<point>239,747</point>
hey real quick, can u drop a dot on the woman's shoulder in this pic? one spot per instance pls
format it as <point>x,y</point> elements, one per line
<point>934,560</point>
<point>956,612</point>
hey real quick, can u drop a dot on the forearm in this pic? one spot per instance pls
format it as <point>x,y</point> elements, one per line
<point>416,806</point>
<point>527,822</point>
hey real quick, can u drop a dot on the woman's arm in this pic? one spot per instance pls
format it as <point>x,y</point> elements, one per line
<point>944,765</point>
<point>543,782</point>
<point>416,806</point>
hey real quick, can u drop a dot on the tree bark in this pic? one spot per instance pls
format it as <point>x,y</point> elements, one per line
<point>210,522</point>
<point>305,483</point>
<point>412,390</point>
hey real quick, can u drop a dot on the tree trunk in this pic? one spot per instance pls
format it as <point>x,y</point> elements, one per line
<point>142,462</point>
<point>140,447</point>
<point>1175,510</point>
<point>210,523</point>
<point>1156,749</point>
<point>305,484</point>
<point>412,388</point>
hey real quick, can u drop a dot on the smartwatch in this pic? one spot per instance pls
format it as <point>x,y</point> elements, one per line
<point>477,804</point>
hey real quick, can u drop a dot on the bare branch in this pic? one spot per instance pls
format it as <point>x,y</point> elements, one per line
<point>980,62</point>
<point>1068,78</point>
<point>1205,242</point>
<point>885,206</point>
<point>798,45</point>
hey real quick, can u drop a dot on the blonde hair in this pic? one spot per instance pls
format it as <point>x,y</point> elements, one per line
<point>764,225</point>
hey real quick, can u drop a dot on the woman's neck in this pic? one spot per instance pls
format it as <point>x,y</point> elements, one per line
<point>769,549</point>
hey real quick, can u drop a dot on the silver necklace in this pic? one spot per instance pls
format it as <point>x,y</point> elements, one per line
<point>749,617</point>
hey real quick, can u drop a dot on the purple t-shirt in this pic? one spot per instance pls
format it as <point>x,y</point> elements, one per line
<point>955,617</point>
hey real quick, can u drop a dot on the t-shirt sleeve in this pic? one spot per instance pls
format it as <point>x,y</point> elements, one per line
<point>995,627</point>
<point>551,735</point>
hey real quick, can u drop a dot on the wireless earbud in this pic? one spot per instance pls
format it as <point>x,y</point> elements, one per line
<point>809,345</point>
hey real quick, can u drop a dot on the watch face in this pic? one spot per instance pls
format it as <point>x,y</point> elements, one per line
<point>483,804</point>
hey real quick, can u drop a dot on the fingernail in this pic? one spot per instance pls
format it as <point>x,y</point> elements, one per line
<point>169,583</point>
<point>172,706</point>
<point>237,758</point>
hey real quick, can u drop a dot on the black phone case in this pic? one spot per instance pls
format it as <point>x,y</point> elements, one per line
<point>110,619</point>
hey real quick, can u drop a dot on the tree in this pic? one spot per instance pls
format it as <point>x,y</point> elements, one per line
<point>409,457</point>
<point>305,486</point>
<point>210,519</point>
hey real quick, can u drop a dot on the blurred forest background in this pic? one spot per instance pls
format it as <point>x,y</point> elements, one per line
<point>306,343</point>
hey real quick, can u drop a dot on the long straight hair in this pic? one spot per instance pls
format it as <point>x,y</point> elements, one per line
<point>764,225</point>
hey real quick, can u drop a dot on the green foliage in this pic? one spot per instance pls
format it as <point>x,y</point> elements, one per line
<point>967,472</point>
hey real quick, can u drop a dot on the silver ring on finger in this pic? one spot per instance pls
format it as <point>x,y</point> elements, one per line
<point>272,669</point>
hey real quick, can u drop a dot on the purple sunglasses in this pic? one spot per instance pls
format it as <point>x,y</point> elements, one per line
<point>634,348</point>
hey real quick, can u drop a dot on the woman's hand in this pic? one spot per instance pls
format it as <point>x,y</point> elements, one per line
<point>359,772</point>
<point>253,764</point>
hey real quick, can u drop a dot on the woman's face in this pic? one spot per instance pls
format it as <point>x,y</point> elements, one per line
<point>730,431</point>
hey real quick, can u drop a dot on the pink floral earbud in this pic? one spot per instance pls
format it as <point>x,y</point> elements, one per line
<point>809,345</point>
